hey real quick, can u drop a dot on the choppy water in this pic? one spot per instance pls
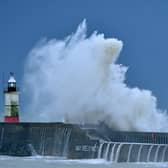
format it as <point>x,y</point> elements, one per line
<point>51,162</point>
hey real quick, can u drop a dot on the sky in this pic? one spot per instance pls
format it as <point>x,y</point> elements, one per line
<point>141,25</point>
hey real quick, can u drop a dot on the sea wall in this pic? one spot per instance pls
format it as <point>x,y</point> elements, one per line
<point>47,139</point>
<point>82,142</point>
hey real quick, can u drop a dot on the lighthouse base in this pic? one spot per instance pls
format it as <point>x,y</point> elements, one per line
<point>10,119</point>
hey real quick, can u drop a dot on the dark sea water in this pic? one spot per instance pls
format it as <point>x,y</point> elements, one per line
<point>51,162</point>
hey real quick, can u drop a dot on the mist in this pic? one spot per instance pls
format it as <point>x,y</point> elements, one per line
<point>77,80</point>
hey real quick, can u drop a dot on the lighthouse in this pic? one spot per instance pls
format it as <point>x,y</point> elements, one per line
<point>11,101</point>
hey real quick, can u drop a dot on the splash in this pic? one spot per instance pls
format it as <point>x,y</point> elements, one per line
<point>78,80</point>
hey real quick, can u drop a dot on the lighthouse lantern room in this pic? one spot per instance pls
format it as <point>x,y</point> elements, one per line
<point>11,101</point>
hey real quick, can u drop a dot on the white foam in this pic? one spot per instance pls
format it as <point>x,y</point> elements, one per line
<point>77,79</point>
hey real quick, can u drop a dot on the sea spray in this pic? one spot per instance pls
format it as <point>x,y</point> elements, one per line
<point>78,80</point>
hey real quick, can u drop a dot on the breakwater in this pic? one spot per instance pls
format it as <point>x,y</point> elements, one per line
<point>47,139</point>
<point>82,142</point>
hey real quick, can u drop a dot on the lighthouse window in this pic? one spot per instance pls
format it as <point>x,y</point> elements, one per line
<point>12,84</point>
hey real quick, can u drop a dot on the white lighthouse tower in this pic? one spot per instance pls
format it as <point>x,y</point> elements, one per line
<point>11,101</point>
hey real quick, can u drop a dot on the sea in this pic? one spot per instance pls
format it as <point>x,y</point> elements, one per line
<point>52,162</point>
